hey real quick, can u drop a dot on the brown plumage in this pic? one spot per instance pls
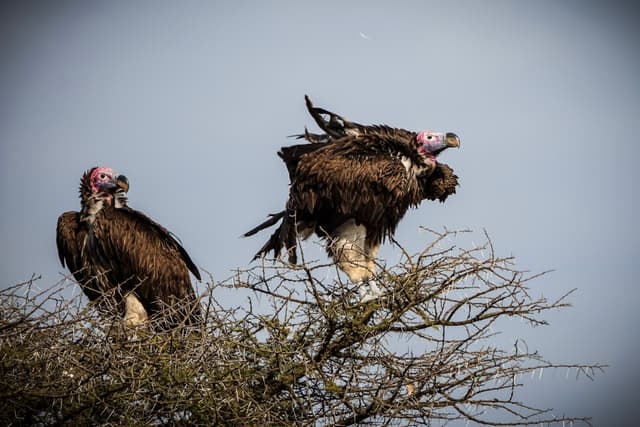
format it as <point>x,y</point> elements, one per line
<point>353,184</point>
<point>70,240</point>
<point>117,252</point>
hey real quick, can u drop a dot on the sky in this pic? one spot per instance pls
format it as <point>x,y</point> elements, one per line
<point>191,101</point>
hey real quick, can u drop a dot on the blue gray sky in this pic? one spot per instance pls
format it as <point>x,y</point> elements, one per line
<point>191,101</point>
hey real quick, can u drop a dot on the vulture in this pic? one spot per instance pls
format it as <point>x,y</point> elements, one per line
<point>118,254</point>
<point>351,186</point>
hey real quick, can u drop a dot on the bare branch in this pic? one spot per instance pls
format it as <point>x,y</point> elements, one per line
<point>302,351</point>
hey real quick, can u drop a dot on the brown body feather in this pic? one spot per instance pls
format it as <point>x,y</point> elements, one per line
<point>120,251</point>
<point>142,256</point>
<point>70,237</point>
<point>352,173</point>
<point>353,179</point>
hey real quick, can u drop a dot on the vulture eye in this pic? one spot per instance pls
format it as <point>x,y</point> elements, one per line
<point>430,137</point>
<point>102,176</point>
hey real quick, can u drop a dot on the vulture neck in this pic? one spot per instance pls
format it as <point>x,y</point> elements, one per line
<point>92,205</point>
<point>413,168</point>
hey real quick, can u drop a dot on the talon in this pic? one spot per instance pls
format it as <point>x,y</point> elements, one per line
<point>369,291</point>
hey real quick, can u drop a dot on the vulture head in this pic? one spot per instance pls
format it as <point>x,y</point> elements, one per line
<point>101,184</point>
<point>102,180</point>
<point>431,143</point>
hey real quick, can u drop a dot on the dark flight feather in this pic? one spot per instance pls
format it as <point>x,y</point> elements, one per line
<point>352,171</point>
<point>142,256</point>
<point>123,250</point>
<point>70,238</point>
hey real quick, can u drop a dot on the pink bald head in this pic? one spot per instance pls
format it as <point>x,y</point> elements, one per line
<point>430,143</point>
<point>102,178</point>
<point>430,138</point>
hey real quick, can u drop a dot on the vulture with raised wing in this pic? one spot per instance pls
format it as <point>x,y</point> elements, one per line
<point>121,255</point>
<point>352,184</point>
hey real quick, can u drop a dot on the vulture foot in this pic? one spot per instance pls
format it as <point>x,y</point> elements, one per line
<point>369,291</point>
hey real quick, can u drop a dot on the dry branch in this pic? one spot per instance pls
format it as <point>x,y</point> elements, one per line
<point>302,351</point>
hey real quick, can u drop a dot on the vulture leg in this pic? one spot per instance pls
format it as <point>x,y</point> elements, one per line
<point>134,312</point>
<point>374,290</point>
<point>356,258</point>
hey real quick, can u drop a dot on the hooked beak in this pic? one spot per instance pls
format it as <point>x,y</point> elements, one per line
<point>452,140</point>
<point>122,183</point>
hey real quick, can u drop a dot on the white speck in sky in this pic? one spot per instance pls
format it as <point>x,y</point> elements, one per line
<point>364,36</point>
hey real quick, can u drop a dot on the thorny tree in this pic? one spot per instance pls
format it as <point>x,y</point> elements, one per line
<point>304,352</point>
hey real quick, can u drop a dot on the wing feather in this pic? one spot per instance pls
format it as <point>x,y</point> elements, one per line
<point>335,183</point>
<point>68,240</point>
<point>337,127</point>
<point>134,231</point>
<point>353,171</point>
<point>142,255</point>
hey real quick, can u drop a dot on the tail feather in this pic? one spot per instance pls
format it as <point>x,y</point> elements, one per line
<point>284,236</point>
<point>273,244</point>
<point>273,218</point>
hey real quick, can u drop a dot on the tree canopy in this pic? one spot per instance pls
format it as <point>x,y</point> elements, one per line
<point>301,351</point>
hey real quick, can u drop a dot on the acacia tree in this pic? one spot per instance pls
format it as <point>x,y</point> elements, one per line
<point>302,351</point>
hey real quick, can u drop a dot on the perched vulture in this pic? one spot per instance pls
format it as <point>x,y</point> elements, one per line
<point>118,253</point>
<point>352,184</point>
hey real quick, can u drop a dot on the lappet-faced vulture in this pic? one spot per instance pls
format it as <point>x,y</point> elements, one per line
<point>121,255</point>
<point>352,184</point>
